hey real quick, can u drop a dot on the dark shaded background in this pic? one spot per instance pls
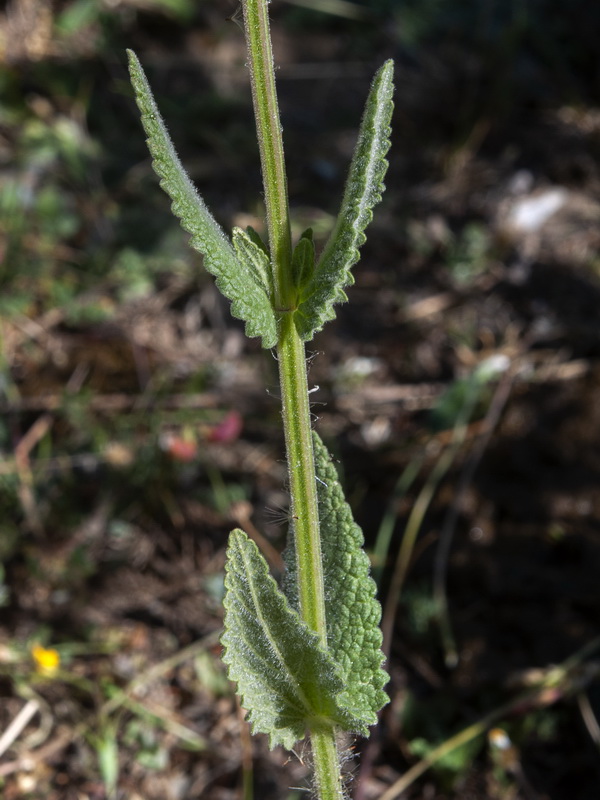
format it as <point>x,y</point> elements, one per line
<point>136,429</point>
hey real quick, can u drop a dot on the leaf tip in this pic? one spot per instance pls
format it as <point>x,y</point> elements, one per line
<point>133,61</point>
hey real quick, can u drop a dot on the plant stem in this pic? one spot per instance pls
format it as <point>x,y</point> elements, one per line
<point>268,127</point>
<point>292,369</point>
<point>307,538</point>
<point>292,360</point>
<point>303,490</point>
<point>326,764</point>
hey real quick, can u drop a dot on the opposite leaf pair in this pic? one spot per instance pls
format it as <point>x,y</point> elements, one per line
<point>314,669</point>
<point>287,680</point>
<point>242,270</point>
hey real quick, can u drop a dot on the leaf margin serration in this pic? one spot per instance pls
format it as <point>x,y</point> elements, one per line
<point>345,562</point>
<point>249,302</point>
<point>318,679</point>
<point>364,189</point>
<point>349,614</point>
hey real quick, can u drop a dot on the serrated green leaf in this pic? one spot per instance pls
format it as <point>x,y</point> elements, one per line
<point>353,613</point>
<point>249,301</point>
<point>287,681</point>
<point>352,610</point>
<point>364,188</point>
<point>254,259</point>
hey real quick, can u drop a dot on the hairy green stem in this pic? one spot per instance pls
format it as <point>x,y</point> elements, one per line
<point>268,126</point>
<point>292,359</point>
<point>292,369</point>
<point>303,482</point>
<point>326,763</point>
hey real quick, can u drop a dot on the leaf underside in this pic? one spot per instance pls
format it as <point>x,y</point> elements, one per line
<point>363,191</point>
<point>254,259</point>
<point>352,610</point>
<point>286,680</point>
<point>249,300</point>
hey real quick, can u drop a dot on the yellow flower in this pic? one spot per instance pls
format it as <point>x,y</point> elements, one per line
<point>47,661</point>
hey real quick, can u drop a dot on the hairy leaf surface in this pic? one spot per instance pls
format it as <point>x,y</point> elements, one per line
<point>285,678</point>
<point>249,301</point>
<point>352,610</point>
<point>253,257</point>
<point>364,188</point>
